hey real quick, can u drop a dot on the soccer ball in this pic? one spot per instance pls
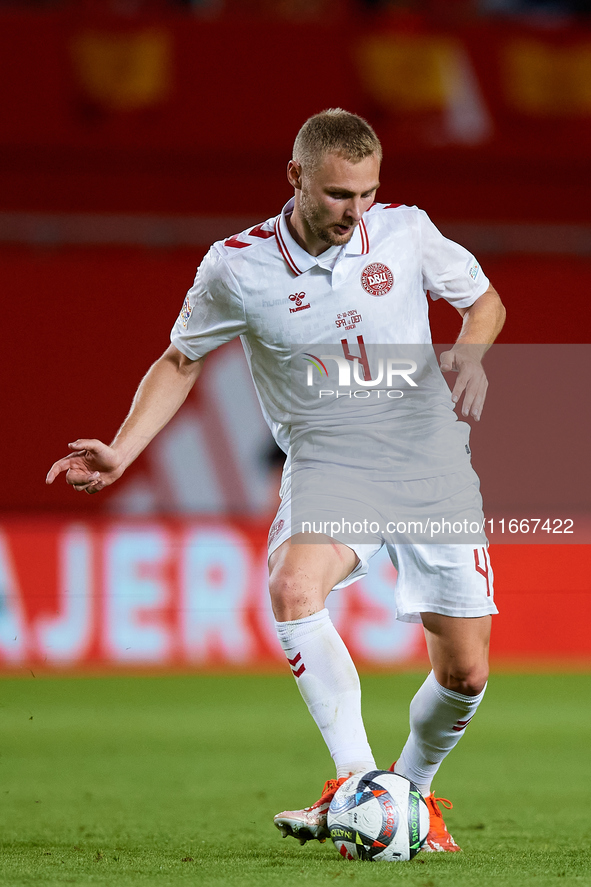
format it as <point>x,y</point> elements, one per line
<point>378,815</point>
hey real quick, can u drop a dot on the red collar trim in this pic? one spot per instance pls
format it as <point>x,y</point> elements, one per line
<point>284,250</point>
<point>364,238</point>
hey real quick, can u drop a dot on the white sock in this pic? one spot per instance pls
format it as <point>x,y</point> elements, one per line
<point>329,684</point>
<point>438,718</point>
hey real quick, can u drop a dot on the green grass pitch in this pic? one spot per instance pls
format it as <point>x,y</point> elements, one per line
<point>174,780</point>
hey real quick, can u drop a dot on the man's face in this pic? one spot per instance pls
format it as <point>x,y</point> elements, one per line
<point>332,199</point>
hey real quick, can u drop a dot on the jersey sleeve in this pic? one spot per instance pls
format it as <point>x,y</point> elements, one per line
<point>213,310</point>
<point>449,270</point>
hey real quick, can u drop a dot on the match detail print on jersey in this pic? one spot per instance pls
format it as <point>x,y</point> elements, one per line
<point>348,319</point>
<point>377,279</point>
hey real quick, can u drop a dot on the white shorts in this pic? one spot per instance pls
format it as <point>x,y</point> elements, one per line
<point>450,579</point>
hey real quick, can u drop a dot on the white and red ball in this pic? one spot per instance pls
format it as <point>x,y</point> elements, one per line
<point>378,816</point>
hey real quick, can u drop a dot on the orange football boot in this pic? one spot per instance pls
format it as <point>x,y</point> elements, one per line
<point>439,839</point>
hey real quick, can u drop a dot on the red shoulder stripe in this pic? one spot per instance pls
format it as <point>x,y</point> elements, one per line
<point>392,205</point>
<point>258,231</point>
<point>233,241</point>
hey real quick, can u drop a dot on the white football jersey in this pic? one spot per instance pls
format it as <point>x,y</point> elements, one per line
<point>282,301</point>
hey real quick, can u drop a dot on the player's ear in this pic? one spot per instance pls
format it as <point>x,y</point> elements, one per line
<point>294,174</point>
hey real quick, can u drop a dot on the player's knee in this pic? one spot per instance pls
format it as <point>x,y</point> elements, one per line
<point>469,680</point>
<point>290,598</point>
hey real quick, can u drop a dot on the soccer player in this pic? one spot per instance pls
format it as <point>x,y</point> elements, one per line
<point>334,266</point>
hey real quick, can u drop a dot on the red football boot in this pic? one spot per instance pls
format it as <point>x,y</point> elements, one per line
<point>439,839</point>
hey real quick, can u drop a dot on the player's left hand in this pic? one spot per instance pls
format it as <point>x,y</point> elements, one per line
<point>466,361</point>
<point>90,466</point>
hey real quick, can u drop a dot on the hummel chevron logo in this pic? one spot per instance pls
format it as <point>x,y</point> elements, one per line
<point>482,570</point>
<point>257,231</point>
<point>461,725</point>
<point>235,242</point>
<point>293,662</point>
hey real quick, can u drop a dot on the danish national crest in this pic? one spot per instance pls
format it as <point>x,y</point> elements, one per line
<point>377,279</point>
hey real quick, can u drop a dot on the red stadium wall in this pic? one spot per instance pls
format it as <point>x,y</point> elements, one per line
<point>480,119</point>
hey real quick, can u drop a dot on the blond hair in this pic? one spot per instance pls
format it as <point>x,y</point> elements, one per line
<point>335,131</point>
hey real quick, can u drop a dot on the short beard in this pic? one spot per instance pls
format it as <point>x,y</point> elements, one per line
<point>310,215</point>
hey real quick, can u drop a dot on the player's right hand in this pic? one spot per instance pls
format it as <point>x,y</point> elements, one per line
<point>91,466</point>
